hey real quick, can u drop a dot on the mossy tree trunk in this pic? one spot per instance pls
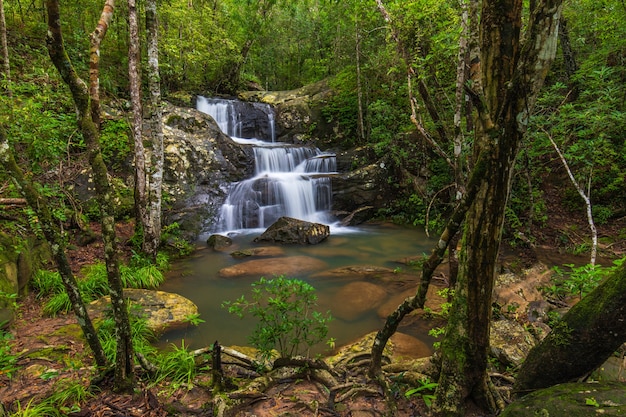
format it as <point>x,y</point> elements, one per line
<point>124,375</point>
<point>504,94</point>
<point>587,335</point>
<point>53,235</point>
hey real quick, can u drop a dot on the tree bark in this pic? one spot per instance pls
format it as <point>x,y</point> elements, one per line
<point>53,235</point>
<point>134,79</point>
<point>152,228</point>
<point>124,376</point>
<point>587,335</point>
<point>511,77</point>
<point>436,257</point>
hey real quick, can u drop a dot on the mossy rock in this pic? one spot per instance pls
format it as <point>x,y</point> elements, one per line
<point>572,400</point>
<point>162,310</point>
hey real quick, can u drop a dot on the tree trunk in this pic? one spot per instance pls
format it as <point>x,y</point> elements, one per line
<point>152,228</point>
<point>436,257</point>
<point>511,79</point>
<point>124,376</point>
<point>587,335</point>
<point>56,241</point>
<point>134,80</point>
<point>6,67</point>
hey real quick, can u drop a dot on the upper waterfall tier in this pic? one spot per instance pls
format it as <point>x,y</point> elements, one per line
<point>240,119</point>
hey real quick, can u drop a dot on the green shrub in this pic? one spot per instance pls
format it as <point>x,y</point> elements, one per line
<point>287,320</point>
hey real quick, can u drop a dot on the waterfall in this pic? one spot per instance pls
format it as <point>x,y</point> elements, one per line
<point>289,180</point>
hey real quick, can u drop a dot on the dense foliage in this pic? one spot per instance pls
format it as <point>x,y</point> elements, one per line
<point>221,47</point>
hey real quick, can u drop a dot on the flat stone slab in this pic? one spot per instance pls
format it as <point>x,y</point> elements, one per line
<point>162,310</point>
<point>258,252</point>
<point>289,266</point>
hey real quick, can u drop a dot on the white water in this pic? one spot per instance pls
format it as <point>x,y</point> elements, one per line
<point>289,180</point>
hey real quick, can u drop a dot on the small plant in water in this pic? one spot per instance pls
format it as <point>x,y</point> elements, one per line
<point>287,320</point>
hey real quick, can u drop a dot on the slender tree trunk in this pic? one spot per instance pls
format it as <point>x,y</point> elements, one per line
<point>422,89</point>
<point>124,376</point>
<point>152,229</point>
<point>6,67</point>
<point>436,257</point>
<point>134,78</point>
<point>587,335</point>
<point>586,198</point>
<point>511,78</point>
<point>461,71</point>
<point>359,87</point>
<point>54,237</point>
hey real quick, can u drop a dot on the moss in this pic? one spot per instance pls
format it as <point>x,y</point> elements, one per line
<point>572,400</point>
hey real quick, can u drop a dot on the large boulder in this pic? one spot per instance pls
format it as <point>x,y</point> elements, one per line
<point>573,400</point>
<point>288,230</point>
<point>510,342</point>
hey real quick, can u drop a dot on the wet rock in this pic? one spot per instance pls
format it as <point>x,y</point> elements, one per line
<point>354,271</point>
<point>433,301</point>
<point>357,298</point>
<point>510,342</point>
<point>162,310</point>
<point>288,230</point>
<point>573,400</point>
<point>219,242</point>
<point>258,252</point>
<point>288,266</point>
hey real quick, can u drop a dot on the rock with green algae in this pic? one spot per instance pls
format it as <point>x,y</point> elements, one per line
<point>572,400</point>
<point>162,310</point>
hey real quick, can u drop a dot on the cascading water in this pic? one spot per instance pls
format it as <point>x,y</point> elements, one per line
<point>289,180</point>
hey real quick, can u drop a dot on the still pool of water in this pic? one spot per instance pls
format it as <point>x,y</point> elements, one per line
<point>384,245</point>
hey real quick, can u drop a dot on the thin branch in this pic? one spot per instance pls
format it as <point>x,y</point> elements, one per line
<point>585,197</point>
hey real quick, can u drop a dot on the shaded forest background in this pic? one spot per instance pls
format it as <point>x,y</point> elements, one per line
<point>222,47</point>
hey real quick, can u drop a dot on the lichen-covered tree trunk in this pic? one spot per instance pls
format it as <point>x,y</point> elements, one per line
<point>124,375</point>
<point>55,239</point>
<point>152,229</point>
<point>511,76</point>
<point>134,81</point>
<point>587,335</point>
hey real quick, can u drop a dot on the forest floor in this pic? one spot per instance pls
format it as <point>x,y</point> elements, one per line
<point>47,357</point>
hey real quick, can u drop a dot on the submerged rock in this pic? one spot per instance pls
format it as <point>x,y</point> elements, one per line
<point>289,230</point>
<point>357,298</point>
<point>258,252</point>
<point>289,266</point>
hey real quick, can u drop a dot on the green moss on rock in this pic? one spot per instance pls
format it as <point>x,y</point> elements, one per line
<point>572,400</point>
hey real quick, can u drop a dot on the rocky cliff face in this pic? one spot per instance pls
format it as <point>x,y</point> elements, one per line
<point>200,163</point>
